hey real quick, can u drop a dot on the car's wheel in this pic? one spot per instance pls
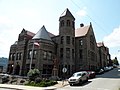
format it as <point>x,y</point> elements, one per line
<point>86,79</point>
<point>71,84</point>
<point>80,82</point>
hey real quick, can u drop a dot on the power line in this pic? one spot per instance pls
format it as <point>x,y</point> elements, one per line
<point>90,17</point>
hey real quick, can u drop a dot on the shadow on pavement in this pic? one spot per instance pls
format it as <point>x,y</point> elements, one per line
<point>83,84</point>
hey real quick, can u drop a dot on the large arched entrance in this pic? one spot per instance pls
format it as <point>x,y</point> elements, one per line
<point>17,69</point>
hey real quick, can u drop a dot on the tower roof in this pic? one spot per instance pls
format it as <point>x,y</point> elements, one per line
<point>66,13</point>
<point>42,34</point>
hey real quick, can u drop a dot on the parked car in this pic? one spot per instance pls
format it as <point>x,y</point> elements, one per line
<point>91,74</point>
<point>101,71</point>
<point>78,78</point>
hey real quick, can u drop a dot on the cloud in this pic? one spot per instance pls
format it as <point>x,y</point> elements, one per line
<point>82,12</point>
<point>113,39</point>
<point>8,35</point>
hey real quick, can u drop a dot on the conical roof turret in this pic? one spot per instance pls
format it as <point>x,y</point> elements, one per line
<point>42,34</point>
<point>66,13</point>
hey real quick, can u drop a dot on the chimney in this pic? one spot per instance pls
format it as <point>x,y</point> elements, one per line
<point>81,25</point>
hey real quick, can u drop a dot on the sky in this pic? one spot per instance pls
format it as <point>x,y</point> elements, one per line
<point>33,14</point>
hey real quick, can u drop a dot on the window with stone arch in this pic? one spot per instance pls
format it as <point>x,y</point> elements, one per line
<point>62,23</point>
<point>68,22</point>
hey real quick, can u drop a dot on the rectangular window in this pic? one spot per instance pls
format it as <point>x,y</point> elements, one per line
<point>17,56</point>
<point>73,41</point>
<point>20,56</point>
<point>13,56</point>
<point>29,54</point>
<point>72,53</point>
<point>61,52</point>
<point>62,39</point>
<point>50,55</point>
<point>80,54</point>
<point>44,55</point>
<point>67,52</point>
<point>68,39</point>
<point>34,54</point>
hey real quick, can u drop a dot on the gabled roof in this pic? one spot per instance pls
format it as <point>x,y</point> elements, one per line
<point>42,34</point>
<point>27,32</point>
<point>66,13</point>
<point>82,31</point>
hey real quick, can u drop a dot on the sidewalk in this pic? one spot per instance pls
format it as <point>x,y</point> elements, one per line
<point>22,87</point>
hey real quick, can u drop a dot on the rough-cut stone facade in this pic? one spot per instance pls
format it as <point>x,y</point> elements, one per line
<point>72,49</point>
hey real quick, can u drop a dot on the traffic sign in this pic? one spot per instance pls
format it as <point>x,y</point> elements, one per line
<point>64,70</point>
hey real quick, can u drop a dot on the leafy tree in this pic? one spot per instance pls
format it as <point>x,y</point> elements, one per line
<point>115,61</point>
<point>33,73</point>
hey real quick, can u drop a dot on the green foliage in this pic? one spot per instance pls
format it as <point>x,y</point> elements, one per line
<point>115,61</point>
<point>33,73</point>
<point>43,83</point>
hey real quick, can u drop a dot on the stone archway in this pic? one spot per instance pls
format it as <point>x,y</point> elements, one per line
<point>17,69</point>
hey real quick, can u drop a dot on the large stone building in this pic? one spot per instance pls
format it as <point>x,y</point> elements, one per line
<point>104,56</point>
<point>73,49</point>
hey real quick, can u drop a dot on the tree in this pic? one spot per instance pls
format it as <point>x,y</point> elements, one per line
<point>115,61</point>
<point>33,73</point>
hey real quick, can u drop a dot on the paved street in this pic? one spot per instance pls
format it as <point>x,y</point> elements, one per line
<point>107,81</point>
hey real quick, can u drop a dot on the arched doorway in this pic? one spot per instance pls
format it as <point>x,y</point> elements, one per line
<point>17,69</point>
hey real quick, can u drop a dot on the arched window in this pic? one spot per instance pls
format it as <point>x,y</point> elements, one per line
<point>68,22</point>
<point>62,23</point>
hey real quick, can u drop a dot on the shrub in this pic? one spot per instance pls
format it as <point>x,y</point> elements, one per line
<point>33,73</point>
<point>38,80</point>
<point>43,83</point>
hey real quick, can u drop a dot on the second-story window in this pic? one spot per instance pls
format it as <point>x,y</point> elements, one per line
<point>34,54</point>
<point>80,54</point>
<point>73,24</point>
<point>29,54</point>
<point>67,52</point>
<point>61,52</point>
<point>62,40</point>
<point>44,55</point>
<point>13,56</point>
<point>68,39</point>
<point>17,56</point>
<point>73,54</point>
<point>50,55</point>
<point>20,56</point>
<point>73,41</point>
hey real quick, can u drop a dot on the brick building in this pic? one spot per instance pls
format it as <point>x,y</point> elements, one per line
<point>74,49</point>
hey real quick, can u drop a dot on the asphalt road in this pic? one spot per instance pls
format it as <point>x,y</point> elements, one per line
<point>107,81</point>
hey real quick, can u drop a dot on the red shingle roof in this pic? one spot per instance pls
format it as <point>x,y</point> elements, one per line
<point>82,31</point>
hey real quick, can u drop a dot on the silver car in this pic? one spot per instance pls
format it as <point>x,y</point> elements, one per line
<point>78,78</point>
